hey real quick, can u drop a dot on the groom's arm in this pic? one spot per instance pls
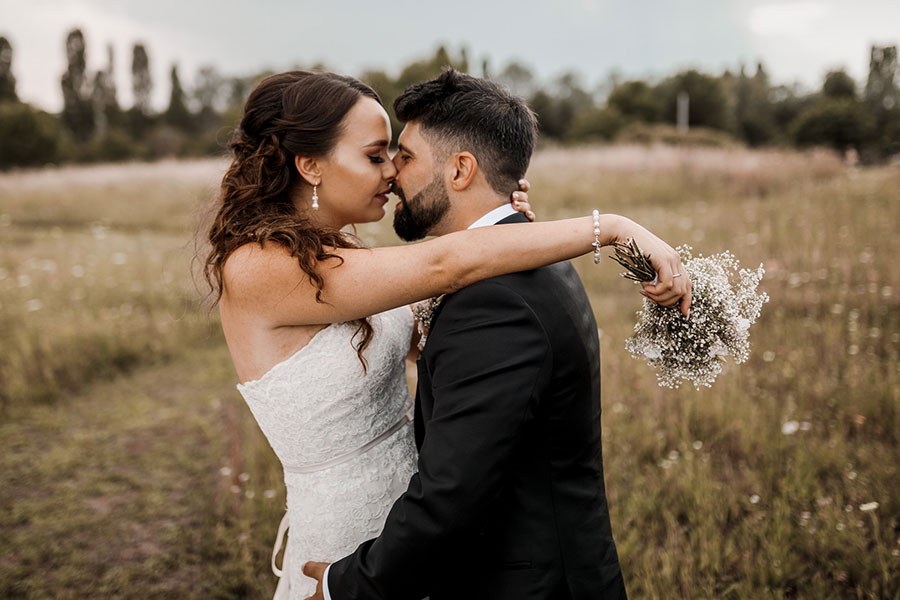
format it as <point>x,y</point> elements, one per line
<point>488,359</point>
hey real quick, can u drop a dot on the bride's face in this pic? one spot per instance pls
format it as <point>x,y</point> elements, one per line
<point>357,175</point>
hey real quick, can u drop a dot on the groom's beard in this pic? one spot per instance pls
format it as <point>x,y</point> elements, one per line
<point>414,219</point>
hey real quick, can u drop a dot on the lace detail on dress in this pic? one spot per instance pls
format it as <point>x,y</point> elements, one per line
<point>318,405</point>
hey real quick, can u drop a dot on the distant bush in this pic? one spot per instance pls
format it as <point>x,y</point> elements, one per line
<point>597,124</point>
<point>636,99</point>
<point>30,136</point>
<point>708,105</point>
<point>643,133</point>
<point>166,141</point>
<point>836,123</point>
<point>113,146</point>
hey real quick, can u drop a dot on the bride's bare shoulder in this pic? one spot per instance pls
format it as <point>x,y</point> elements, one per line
<point>252,269</point>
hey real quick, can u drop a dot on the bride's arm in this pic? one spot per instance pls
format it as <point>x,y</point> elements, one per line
<point>270,284</point>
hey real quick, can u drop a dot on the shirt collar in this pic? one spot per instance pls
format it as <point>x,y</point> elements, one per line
<point>495,216</point>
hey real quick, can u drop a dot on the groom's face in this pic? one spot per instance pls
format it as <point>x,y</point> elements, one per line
<point>419,184</point>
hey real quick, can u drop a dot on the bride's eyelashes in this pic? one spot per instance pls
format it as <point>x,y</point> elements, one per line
<point>376,159</point>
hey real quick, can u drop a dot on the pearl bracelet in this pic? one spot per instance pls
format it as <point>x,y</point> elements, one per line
<point>596,244</point>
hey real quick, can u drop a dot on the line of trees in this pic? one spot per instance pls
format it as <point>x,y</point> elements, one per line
<point>728,108</point>
<point>93,126</point>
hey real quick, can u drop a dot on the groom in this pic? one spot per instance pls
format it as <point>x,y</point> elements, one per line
<point>509,501</point>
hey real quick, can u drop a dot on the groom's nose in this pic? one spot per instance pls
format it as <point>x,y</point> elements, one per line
<point>396,162</point>
<point>390,170</point>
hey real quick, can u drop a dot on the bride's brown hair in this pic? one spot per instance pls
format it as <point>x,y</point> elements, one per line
<point>297,113</point>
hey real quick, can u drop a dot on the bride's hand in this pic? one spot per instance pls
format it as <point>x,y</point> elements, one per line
<point>674,285</point>
<point>519,199</point>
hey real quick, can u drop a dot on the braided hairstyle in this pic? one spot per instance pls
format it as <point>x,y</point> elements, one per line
<point>286,115</point>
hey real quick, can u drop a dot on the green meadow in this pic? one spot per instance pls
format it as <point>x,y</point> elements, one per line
<point>130,465</point>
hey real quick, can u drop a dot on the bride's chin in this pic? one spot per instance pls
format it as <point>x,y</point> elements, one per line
<point>372,216</point>
<point>377,214</point>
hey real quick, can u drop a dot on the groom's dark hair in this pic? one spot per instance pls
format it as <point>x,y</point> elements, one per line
<point>459,112</point>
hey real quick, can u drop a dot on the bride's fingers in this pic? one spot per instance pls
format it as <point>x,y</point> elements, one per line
<point>520,203</point>
<point>670,292</point>
<point>668,299</point>
<point>524,185</point>
<point>665,282</point>
<point>517,199</point>
<point>686,303</point>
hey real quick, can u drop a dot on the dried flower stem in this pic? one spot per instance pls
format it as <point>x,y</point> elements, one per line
<point>630,256</point>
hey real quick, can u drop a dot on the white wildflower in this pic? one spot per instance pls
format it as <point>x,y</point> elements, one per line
<point>754,499</point>
<point>868,506</point>
<point>225,471</point>
<point>725,304</point>
<point>652,353</point>
<point>790,427</point>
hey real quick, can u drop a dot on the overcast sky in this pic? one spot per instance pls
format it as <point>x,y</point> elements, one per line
<point>797,41</point>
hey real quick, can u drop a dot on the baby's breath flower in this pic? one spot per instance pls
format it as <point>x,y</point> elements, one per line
<point>725,304</point>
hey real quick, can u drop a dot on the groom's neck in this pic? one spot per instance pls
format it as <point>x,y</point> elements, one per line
<point>467,207</point>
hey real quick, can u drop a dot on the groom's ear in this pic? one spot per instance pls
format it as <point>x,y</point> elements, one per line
<point>464,165</point>
<point>308,169</point>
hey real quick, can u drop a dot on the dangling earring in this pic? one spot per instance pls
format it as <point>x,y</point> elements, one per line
<point>315,204</point>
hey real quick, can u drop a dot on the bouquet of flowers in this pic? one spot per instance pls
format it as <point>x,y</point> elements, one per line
<point>724,305</point>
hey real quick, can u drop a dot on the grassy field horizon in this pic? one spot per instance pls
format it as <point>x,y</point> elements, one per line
<point>131,462</point>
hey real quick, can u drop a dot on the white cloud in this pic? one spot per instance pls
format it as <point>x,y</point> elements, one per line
<point>791,18</point>
<point>803,40</point>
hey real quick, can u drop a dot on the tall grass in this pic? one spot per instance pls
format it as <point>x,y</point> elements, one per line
<point>763,486</point>
<point>94,273</point>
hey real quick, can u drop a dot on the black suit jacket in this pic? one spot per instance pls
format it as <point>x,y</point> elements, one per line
<point>509,500</point>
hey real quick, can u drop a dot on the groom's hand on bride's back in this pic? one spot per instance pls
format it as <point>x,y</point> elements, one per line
<point>316,570</point>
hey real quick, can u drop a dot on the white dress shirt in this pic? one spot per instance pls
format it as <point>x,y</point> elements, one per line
<point>495,216</point>
<point>490,218</point>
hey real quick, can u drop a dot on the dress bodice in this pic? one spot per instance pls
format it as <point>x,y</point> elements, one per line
<point>319,405</point>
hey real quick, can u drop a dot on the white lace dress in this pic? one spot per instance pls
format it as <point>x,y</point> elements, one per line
<point>345,439</point>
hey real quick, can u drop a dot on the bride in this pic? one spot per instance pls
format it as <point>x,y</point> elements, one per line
<point>319,327</point>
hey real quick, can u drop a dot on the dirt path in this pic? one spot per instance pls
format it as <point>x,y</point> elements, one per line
<point>119,491</point>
